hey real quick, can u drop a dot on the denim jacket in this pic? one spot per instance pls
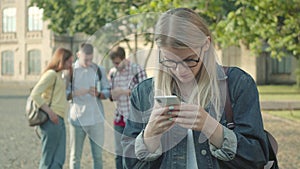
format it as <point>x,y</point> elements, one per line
<point>243,147</point>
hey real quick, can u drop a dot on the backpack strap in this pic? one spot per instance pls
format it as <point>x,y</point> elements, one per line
<point>99,73</point>
<point>37,127</point>
<point>272,143</point>
<point>112,79</point>
<point>228,108</point>
<point>97,69</point>
<point>52,92</point>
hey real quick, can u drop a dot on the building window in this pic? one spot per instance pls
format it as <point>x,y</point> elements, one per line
<point>9,20</point>
<point>34,62</point>
<point>7,60</point>
<point>282,66</point>
<point>35,19</point>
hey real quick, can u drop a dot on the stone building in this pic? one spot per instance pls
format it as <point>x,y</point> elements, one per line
<point>263,68</point>
<point>26,46</point>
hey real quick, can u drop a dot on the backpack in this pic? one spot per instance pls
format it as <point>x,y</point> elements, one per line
<point>272,143</point>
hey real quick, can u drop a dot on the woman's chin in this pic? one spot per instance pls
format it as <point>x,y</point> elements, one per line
<point>186,79</point>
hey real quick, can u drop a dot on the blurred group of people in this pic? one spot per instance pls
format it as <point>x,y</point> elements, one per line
<point>82,85</point>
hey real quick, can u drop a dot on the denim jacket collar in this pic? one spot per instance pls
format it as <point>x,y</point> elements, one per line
<point>220,73</point>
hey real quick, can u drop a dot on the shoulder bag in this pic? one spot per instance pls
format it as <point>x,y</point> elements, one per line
<point>35,115</point>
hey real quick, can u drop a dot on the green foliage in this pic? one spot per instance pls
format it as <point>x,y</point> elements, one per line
<point>71,16</point>
<point>59,13</point>
<point>91,15</point>
<point>106,21</point>
<point>262,25</point>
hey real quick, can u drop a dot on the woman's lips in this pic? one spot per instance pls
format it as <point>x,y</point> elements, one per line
<point>184,75</point>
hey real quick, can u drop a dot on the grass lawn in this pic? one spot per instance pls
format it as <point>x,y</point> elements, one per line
<point>278,93</point>
<point>292,115</point>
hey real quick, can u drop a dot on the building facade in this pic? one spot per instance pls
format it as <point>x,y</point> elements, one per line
<point>26,46</point>
<point>264,69</point>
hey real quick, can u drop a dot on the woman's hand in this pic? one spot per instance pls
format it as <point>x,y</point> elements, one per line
<point>196,118</point>
<point>190,116</point>
<point>53,117</point>
<point>160,121</point>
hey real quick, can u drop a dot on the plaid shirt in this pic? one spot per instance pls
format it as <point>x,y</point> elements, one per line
<point>127,78</point>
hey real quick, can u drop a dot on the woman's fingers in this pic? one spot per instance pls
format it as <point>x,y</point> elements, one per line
<point>163,118</point>
<point>160,121</point>
<point>54,118</point>
<point>190,116</point>
<point>187,119</point>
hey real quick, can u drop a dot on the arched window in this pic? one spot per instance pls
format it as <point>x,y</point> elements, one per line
<point>9,20</point>
<point>7,62</point>
<point>34,62</point>
<point>35,19</point>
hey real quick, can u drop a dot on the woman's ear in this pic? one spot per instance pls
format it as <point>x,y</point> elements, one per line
<point>207,43</point>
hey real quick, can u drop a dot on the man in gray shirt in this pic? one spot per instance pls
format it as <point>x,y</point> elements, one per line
<point>89,85</point>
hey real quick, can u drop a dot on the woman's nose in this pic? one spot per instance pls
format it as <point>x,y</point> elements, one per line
<point>180,66</point>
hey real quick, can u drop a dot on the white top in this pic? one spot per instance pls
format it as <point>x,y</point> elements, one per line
<point>191,154</point>
<point>86,109</point>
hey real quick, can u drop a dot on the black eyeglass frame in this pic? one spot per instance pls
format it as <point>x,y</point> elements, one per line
<point>179,62</point>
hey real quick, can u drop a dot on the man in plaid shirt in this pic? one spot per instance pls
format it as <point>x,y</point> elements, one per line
<point>124,77</point>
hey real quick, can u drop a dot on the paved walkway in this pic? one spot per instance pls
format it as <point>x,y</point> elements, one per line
<point>20,149</point>
<point>280,105</point>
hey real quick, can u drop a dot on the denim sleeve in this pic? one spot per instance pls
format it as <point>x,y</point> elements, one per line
<point>229,146</point>
<point>142,152</point>
<point>135,124</point>
<point>252,147</point>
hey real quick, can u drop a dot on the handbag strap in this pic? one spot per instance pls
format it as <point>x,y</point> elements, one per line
<point>36,127</point>
<point>52,92</point>
<point>272,143</point>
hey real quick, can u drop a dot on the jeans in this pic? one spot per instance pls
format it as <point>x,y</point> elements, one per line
<point>118,147</point>
<point>53,145</point>
<point>77,137</point>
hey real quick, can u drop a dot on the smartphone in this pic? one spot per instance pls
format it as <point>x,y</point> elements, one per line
<point>167,100</point>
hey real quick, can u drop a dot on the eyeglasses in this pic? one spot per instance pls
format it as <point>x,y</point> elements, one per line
<point>173,64</point>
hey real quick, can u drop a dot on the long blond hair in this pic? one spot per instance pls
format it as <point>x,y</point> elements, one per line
<point>183,28</point>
